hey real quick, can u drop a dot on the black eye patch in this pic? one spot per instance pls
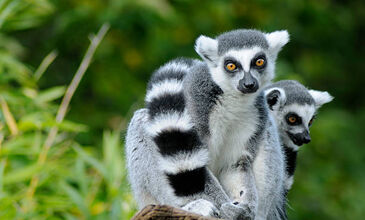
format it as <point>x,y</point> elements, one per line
<point>229,61</point>
<point>259,58</point>
<point>311,121</point>
<point>293,119</point>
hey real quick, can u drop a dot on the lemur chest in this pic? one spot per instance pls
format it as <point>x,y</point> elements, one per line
<point>231,124</point>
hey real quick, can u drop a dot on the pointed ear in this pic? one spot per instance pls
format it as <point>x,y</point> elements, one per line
<point>277,40</point>
<point>275,98</point>
<point>320,98</point>
<point>207,48</point>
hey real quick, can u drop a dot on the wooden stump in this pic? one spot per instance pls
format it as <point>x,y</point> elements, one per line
<point>164,212</point>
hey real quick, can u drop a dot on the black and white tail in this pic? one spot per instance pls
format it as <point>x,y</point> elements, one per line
<point>183,155</point>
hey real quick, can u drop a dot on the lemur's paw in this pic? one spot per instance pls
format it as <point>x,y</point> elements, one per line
<point>237,211</point>
<point>250,210</point>
<point>202,207</point>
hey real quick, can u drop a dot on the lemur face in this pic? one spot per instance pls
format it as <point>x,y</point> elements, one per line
<point>293,108</point>
<point>296,120</point>
<point>243,71</point>
<point>242,61</point>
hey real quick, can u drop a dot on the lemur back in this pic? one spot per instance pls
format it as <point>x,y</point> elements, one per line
<point>207,130</point>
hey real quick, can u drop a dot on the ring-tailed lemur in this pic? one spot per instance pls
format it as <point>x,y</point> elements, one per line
<point>294,108</point>
<point>209,120</point>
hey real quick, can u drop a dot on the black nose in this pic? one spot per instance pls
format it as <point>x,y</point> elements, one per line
<point>248,84</point>
<point>306,139</point>
<point>300,138</point>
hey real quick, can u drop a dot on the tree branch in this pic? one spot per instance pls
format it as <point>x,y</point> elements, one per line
<point>164,212</point>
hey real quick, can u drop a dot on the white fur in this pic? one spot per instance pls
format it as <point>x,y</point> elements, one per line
<point>320,97</point>
<point>226,126</point>
<point>184,161</point>
<point>232,182</point>
<point>269,173</point>
<point>201,207</point>
<point>281,98</point>
<point>277,39</point>
<point>171,86</point>
<point>207,47</point>
<point>174,67</point>
<point>169,121</point>
<point>289,182</point>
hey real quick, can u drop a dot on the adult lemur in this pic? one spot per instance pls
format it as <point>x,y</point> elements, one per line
<point>206,131</point>
<point>293,107</point>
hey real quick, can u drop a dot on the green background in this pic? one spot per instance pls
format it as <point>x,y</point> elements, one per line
<point>84,176</point>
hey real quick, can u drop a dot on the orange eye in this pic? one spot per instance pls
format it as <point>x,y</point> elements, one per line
<point>260,62</point>
<point>310,122</point>
<point>231,66</point>
<point>292,119</point>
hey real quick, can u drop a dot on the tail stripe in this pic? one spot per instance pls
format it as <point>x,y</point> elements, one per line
<point>165,104</point>
<point>169,121</point>
<point>189,182</point>
<point>175,141</point>
<point>183,157</point>
<point>170,71</point>
<point>184,161</point>
<point>169,86</point>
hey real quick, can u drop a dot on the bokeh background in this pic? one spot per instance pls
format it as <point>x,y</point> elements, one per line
<point>84,176</point>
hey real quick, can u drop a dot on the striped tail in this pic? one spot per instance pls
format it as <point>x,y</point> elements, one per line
<point>183,155</point>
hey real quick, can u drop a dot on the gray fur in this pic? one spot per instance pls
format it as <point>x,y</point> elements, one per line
<point>201,89</point>
<point>298,93</point>
<point>262,123</point>
<point>239,39</point>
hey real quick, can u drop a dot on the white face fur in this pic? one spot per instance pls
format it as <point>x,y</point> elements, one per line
<point>303,115</point>
<point>244,58</point>
<point>246,71</point>
<point>294,120</point>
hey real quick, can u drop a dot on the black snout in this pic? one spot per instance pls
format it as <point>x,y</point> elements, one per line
<point>248,84</point>
<point>300,138</point>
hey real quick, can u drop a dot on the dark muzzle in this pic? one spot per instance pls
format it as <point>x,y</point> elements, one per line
<point>248,84</point>
<point>300,138</point>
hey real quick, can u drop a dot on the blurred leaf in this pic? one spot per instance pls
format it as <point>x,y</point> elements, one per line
<point>2,167</point>
<point>10,121</point>
<point>91,161</point>
<point>50,94</point>
<point>11,45</point>
<point>21,174</point>
<point>75,198</point>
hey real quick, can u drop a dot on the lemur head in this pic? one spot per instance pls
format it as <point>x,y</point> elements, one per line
<point>242,61</point>
<point>293,107</point>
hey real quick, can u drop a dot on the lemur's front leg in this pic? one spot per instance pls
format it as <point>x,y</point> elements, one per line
<point>239,182</point>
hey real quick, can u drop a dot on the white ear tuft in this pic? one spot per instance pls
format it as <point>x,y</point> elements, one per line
<point>277,39</point>
<point>207,48</point>
<point>320,98</point>
<point>275,98</point>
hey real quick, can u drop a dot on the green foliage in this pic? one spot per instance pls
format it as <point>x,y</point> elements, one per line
<point>84,175</point>
<point>76,181</point>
